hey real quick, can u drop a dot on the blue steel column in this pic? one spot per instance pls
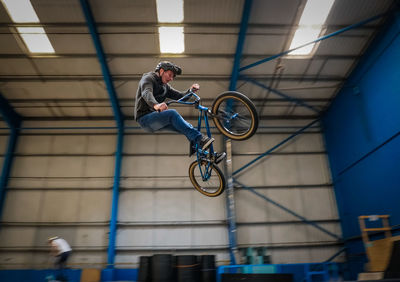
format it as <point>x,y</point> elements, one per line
<point>230,200</point>
<point>120,123</point>
<point>14,121</point>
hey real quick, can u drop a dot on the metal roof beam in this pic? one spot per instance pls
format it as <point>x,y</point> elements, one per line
<point>279,93</point>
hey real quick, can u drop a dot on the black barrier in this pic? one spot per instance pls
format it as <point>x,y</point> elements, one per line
<point>207,268</point>
<point>162,268</point>
<point>257,277</point>
<point>144,269</point>
<point>187,269</point>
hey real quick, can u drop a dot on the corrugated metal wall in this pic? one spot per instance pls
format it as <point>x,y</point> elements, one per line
<point>61,185</point>
<point>362,129</point>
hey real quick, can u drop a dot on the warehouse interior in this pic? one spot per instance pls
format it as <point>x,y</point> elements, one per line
<point>75,164</point>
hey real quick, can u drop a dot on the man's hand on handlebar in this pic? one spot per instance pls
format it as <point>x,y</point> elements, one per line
<point>195,87</point>
<point>160,107</point>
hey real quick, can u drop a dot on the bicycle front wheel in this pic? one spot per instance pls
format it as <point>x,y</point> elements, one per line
<point>235,115</point>
<point>207,178</point>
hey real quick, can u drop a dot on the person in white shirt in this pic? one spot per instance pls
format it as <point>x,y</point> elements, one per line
<point>61,250</point>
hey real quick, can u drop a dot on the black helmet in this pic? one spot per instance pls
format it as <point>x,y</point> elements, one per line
<point>165,65</point>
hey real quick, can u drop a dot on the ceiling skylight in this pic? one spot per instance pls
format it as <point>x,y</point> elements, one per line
<point>171,39</point>
<point>170,11</point>
<point>35,38</point>
<point>21,11</point>
<point>310,25</point>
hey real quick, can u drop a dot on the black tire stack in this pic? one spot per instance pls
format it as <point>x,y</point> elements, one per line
<point>184,268</point>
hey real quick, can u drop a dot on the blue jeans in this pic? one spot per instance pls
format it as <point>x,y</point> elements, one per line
<point>169,120</point>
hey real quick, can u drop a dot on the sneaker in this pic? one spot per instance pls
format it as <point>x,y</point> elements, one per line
<point>192,148</point>
<point>205,142</point>
<point>219,157</point>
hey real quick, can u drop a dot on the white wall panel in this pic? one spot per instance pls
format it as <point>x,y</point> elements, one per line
<point>22,206</point>
<point>17,236</point>
<point>250,235</point>
<point>250,207</point>
<point>67,178</point>
<point>210,236</point>
<point>284,234</point>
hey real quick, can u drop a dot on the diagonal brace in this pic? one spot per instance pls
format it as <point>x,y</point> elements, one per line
<point>288,210</point>
<point>275,147</point>
<point>277,92</point>
<point>356,25</point>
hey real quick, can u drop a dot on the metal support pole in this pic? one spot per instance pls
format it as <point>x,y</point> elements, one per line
<point>115,198</point>
<point>230,197</point>
<point>239,47</point>
<point>13,120</point>
<point>7,164</point>
<point>288,210</point>
<point>103,62</point>
<point>364,22</point>
<point>275,147</point>
<point>120,123</point>
<point>230,206</point>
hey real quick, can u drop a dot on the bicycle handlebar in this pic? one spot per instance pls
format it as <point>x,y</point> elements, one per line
<point>187,96</point>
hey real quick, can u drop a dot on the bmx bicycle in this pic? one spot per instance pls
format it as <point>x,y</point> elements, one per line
<point>235,116</point>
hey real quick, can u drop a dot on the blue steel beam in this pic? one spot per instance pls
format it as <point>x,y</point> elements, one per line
<point>287,97</point>
<point>9,115</point>
<point>120,123</point>
<point>288,210</point>
<point>275,147</point>
<point>230,200</point>
<point>356,25</point>
<point>13,120</point>
<point>103,62</point>
<point>240,43</point>
<point>7,164</point>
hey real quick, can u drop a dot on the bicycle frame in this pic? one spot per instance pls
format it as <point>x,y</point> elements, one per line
<point>203,115</point>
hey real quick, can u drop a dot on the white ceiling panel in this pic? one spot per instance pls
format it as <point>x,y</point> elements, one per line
<point>124,10</point>
<point>211,11</point>
<point>35,112</point>
<point>341,46</point>
<point>274,11</point>
<point>72,43</point>
<point>131,43</point>
<point>54,90</point>
<point>350,12</point>
<point>264,44</point>
<point>8,44</point>
<point>21,66</point>
<point>56,11</point>
<point>210,43</point>
<point>336,67</point>
<point>68,66</point>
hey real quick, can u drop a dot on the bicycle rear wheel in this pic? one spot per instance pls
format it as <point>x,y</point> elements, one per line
<point>235,115</point>
<point>207,178</point>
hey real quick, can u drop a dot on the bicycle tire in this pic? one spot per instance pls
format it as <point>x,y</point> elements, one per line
<point>218,179</point>
<point>236,126</point>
